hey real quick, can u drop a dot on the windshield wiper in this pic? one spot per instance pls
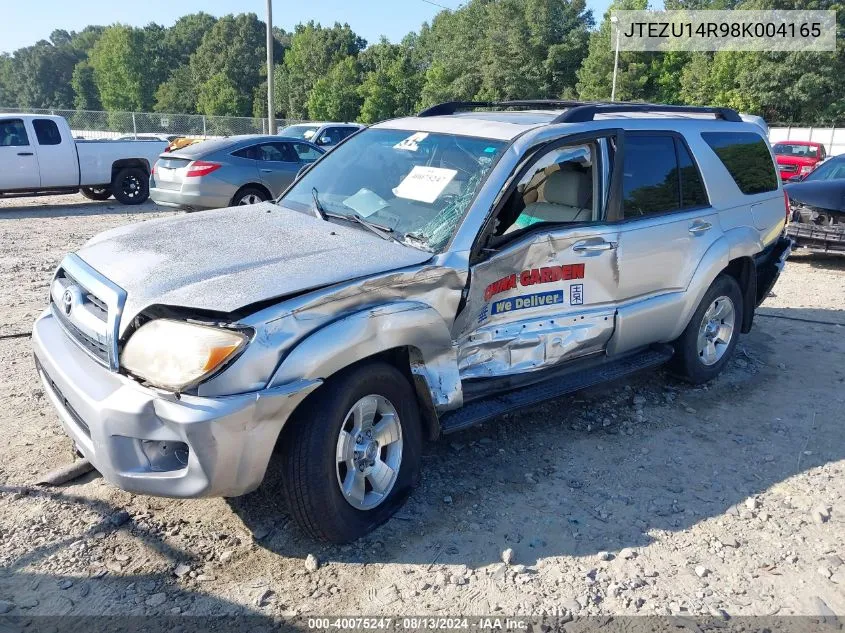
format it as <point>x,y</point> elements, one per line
<point>384,232</point>
<point>319,211</point>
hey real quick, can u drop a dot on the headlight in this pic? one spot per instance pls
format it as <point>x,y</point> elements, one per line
<point>806,169</point>
<point>175,354</point>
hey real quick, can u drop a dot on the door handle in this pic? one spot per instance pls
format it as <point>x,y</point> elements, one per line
<point>699,228</point>
<point>267,171</point>
<point>593,247</point>
<point>25,154</point>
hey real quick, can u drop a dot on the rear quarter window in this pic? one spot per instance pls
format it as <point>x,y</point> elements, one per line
<point>47,132</point>
<point>747,159</point>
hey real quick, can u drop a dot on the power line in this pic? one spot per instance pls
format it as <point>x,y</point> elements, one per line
<point>437,5</point>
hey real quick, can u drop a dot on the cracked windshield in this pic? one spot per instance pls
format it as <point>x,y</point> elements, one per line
<point>414,185</point>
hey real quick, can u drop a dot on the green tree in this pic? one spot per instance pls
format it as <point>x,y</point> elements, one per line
<point>8,96</point>
<point>220,96</point>
<point>183,38</point>
<point>335,96</point>
<point>127,67</point>
<point>231,58</point>
<point>86,96</point>
<point>178,94</point>
<point>314,52</point>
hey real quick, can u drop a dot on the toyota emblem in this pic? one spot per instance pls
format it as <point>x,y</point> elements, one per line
<point>67,301</point>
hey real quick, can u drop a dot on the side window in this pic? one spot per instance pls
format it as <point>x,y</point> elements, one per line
<point>650,181</point>
<point>13,133</point>
<point>306,153</point>
<point>747,159</point>
<point>47,132</point>
<point>693,193</point>
<point>562,185</point>
<point>277,152</point>
<point>250,152</point>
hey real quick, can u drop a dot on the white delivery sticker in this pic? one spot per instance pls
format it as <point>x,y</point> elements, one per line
<point>425,184</point>
<point>365,203</point>
<point>412,143</point>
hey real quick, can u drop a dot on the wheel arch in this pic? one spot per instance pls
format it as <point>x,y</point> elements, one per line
<point>412,336</point>
<point>251,185</point>
<point>123,163</point>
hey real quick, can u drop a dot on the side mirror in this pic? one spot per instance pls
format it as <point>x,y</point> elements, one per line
<point>324,140</point>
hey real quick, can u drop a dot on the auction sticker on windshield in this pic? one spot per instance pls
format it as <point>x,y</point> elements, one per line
<point>411,143</point>
<point>425,184</point>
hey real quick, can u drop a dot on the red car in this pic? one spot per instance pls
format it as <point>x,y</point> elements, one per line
<point>798,158</point>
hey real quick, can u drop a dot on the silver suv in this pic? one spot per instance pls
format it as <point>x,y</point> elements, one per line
<point>428,274</point>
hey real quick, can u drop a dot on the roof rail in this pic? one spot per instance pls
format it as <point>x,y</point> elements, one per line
<point>587,112</point>
<point>451,107</point>
<point>581,111</point>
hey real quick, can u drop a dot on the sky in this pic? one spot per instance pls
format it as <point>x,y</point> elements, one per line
<point>25,22</point>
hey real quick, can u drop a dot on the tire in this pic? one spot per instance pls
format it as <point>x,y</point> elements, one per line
<point>708,342</point>
<point>249,195</point>
<point>312,474</point>
<point>96,193</point>
<point>131,185</point>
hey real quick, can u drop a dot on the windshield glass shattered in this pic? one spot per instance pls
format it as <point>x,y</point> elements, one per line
<point>417,184</point>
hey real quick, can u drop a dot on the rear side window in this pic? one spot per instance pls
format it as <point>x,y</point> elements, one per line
<point>13,133</point>
<point>247,152</point>
<point>747,158</point>
<point>47,132</point>
<point>650,176</point>
<point>692,189</point>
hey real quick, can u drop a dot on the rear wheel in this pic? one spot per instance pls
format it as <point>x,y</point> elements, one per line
<point>131,185</point>
<point>249,195</point>
<point>352,454</point>
<point>708,342</point>
<point>96,193</point>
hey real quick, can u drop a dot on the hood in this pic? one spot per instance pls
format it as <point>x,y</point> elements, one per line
<point>824,194</point>
<point>230,258</point>
<point>795,160</point>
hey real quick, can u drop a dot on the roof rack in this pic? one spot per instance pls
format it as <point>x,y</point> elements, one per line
<point>581,111</point>
<point>587,112</point>
<point>451,107</point>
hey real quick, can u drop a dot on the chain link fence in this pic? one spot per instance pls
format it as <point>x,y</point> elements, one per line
<point>89,124</point>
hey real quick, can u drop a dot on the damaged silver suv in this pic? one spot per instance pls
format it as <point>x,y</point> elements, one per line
<point>430,273</point>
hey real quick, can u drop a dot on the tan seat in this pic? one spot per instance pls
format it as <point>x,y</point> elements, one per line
<point>562,197</point>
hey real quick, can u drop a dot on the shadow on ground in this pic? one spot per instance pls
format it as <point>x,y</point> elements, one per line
<point>582,474</point>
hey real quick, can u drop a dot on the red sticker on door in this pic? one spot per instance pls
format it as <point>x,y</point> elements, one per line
<point>534,276</point>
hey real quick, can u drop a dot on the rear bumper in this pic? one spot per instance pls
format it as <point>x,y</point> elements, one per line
<point>150,442</point>
<point>192,197</point>
<point>769,265</point>
<point>821,239</point>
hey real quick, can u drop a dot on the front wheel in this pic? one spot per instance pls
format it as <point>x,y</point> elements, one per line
<point>131,185</point>
<point>96,193</point>
<point>708,342</point>
<point>352,454</point>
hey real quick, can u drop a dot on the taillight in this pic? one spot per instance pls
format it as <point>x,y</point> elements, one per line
<point>153,169</point>
<point>786,204</point>
<point>200,168</point>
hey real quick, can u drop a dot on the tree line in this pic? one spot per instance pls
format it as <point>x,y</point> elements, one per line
<point>486,50</point>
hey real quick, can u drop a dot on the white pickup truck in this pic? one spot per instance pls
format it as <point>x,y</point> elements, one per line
<point>38,156</point>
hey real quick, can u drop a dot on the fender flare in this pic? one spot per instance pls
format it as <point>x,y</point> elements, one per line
<point>402,324</point>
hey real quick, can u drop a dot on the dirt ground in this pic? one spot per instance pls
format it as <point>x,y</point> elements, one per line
<point>640,497</point>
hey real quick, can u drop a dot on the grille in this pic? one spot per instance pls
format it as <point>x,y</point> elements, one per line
<point>87,323</point>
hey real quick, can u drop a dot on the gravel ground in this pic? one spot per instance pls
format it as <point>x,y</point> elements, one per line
<point>640,497</point>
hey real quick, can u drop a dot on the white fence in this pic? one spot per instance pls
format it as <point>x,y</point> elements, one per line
<point>833,138</point>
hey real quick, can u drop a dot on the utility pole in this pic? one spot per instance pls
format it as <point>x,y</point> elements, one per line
<point>271,106</point>
<point>615,21</point>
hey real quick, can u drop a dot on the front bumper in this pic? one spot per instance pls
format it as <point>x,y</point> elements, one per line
<point>152,442</point>
<point>818,238</point>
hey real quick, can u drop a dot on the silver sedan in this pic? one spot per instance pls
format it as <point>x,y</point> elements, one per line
<point>228,172</point>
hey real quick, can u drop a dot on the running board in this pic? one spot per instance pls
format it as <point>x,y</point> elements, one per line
<point>484,409</point>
